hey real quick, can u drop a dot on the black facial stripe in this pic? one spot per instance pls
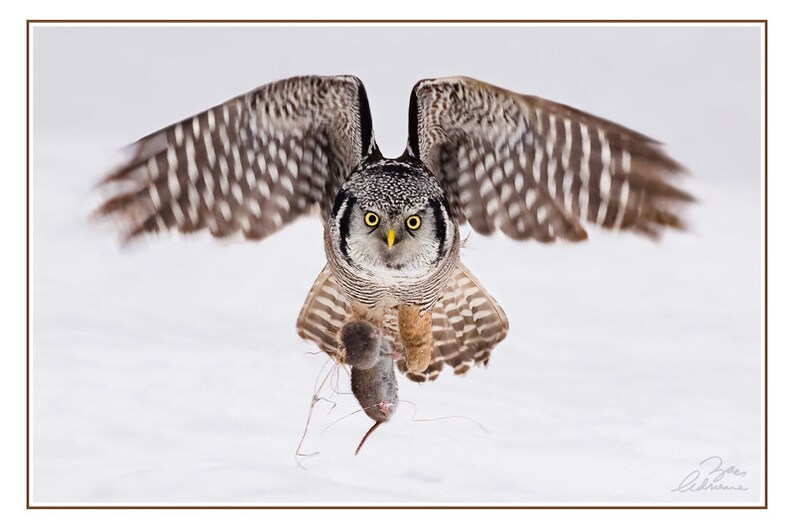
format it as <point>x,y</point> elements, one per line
<point>344,224</point>
<point>441,228</point>
<point>445,204</point>
<point>340,198</point>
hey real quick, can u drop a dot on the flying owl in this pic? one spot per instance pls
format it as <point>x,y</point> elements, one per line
<point>393,281</point>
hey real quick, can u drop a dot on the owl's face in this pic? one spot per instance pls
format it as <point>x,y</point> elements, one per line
<point>391,219</point>
<point>398,240</point>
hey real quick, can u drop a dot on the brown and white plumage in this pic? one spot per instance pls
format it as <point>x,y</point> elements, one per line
<point>250,165</point>
<point>467,323</point>
<point>476,153</point>
<point>536,169</point>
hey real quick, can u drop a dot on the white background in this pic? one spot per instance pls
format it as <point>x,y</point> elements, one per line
<point>13,386</point>
<point>170,371</point>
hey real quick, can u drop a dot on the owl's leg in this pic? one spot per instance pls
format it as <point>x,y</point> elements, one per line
<point>416,336</point>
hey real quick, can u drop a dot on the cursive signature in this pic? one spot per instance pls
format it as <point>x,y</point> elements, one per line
<point>709,475</point>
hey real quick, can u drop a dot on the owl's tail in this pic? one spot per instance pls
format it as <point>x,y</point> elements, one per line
<point>467,323</point>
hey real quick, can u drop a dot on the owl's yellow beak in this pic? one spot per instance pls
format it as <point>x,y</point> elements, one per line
<point>390,238</point>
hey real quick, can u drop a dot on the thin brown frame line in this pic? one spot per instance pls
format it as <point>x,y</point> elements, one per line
<point>27,265</point>
<point>765,25</point>
<point>398,21</point>
<point>766,262</point>
<point>418,507</point>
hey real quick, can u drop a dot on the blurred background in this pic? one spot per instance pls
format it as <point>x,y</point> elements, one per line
<point>170,371</point>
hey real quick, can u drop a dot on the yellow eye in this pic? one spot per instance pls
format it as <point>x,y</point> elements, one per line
<point>413,222</point>
<point>371,219</point>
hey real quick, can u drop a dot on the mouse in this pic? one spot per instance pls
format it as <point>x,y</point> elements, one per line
<point>372,379</point>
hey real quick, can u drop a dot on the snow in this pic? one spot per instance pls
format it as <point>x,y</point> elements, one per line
<point>170,371</point>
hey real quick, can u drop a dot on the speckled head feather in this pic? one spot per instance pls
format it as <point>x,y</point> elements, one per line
<point>394,186</point>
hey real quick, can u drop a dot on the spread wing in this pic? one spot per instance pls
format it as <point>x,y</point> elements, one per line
<point>534,168</point>
<point>251,164</point>
<point>467,323</point>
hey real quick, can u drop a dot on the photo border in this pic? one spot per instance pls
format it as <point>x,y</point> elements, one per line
<point>763,23</point>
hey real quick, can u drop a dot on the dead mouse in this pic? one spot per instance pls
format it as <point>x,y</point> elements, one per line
<point>372,364</point>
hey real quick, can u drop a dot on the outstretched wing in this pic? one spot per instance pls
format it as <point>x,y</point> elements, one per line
<point>467,323</point>
<point>534,168</point>
<point>251,164</point>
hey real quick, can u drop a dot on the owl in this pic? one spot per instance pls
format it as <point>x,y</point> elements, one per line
<point>393,282</point>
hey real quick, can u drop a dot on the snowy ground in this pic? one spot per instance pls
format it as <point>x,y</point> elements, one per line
<point>171,371</point>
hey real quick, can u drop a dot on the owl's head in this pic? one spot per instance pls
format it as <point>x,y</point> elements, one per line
<point>392,216</point>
